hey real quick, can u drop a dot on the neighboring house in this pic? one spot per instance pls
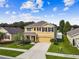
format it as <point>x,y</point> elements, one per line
<point>73,37</point>
<point>40,32</point>
<point>9,32</point>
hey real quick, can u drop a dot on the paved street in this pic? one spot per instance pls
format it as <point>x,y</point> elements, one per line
<point>36,52</point>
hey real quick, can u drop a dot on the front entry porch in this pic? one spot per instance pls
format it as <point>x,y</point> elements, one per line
<point>31,36</point>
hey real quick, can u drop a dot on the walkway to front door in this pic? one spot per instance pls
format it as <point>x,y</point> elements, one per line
<point>36,52</point>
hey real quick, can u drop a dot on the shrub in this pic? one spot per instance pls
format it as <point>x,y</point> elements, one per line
<point>25,41</point>
<point>6,42</point>
<point>51,40</point>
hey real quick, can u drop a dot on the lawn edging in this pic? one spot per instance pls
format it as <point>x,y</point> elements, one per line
<point>14,49</point>
<point>6,57</point>
<point>62,55</point>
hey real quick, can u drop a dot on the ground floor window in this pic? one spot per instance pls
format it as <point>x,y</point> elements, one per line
<point>6,37</point>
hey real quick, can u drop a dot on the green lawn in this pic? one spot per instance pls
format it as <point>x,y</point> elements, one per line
<point>56,57</point>
<point>63,47</point>
<point>15,45</point>
<point>9,53</point>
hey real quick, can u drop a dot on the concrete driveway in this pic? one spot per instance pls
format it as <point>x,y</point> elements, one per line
<point>36,52</point>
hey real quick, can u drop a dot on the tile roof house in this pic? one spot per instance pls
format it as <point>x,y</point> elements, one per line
<point>73,36</point>
<point>10,32</point>
<point>40,32</point>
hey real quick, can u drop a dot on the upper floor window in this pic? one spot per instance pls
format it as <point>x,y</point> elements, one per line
<point>38,28</point>
<point>29,29</point>
<point>50,29</point>
<point>44,29</point>
<point>34,29</point>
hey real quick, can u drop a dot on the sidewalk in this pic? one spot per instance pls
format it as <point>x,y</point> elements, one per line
<point>14,49</point>
<point>63,55</point>
<point>38,51</point>
<point>6,57</point>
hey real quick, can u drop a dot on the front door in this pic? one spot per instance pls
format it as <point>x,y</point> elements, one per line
<point>33,38</point>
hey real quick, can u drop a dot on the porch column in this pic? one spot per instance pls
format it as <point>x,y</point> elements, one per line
<point>47,29</point>
<point>30,37</point>
<point>35,39</point>
<point>10,37</point>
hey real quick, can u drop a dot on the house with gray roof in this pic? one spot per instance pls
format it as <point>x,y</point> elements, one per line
<point>41,31</point>
<point>73,36</point>
<point>10,32</point>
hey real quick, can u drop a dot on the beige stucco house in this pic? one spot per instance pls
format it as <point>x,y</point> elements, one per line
<point>73,36</point>
<point>40,32</point>
<point>9,33</point>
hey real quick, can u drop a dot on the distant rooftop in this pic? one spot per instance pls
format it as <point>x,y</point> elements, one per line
<point>13,30</point>
<point>73,32</point>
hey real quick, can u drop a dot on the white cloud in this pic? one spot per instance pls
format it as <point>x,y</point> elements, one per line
<point>45,16</point>
<point>39,3</point>
<point>23,17</point>
<point>69,2</point>
<point>27,5</point>
<point>2,3</point>
<point>52,15</point>
<point>13,12</point>
<point>55,9</point>
<point>48,3</point>
<point>35,11</point>
<point>66,8</point>
<point>32,5</point>
<point>7,12</point>
<point>7,6</point>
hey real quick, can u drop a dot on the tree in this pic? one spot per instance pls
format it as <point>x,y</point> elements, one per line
<point>1,35</point>
<point>62,23</point>
<point>67,27</point>
<point>18,37</point>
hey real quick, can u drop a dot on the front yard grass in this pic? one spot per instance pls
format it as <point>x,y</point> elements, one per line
<point>9,53</point>
<point>63,47</point>
<point>15,45</point>
<point>56,57</point>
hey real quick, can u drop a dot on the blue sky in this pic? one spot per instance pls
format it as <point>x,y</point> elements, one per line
<point>36,10</point>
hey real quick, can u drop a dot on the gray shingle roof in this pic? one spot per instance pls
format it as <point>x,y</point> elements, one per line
<point>41,23</point>
<point>73,32</point>
<point>13,30</point>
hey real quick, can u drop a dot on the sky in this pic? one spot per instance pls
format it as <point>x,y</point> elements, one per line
<point>39,10</point>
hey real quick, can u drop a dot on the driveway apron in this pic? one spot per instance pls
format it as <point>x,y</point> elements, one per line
<point>38,51</point>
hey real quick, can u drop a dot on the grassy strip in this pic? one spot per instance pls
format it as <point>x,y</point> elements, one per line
<point>15,45</point>
<point>9,53</point>
<point>63,47</point>
<point>56,57</point>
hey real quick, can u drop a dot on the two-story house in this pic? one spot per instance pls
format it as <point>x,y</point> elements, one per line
<point>40,32</point>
